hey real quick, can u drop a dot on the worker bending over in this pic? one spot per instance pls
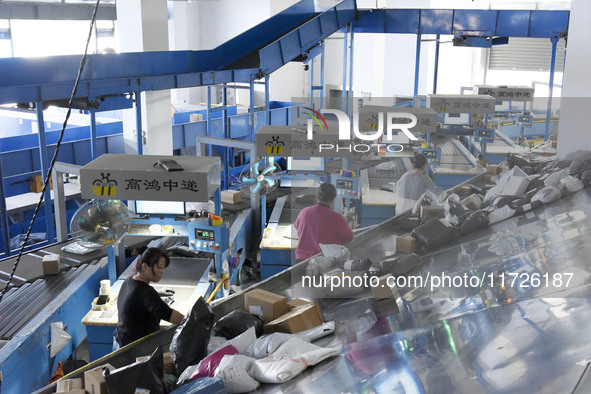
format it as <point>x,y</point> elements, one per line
<point>319,224</point>
<point>139,306</point>
<point>413,184</point>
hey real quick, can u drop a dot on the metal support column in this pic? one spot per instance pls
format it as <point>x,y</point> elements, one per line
<point>321,76</point>
<point>251,112</point>
<point>208,118</point>
<point>4,218</point>
<point>311,67</point>
<point>44,168</point>
<point>437,44</point>
<point>344,90</point>
<point>93,152</point>
<point>351,74</point>
<point>417,64</point>
<point>267,109</point>
<point>554,39</point>
<point>138,123</point>
<point>217,200</point>
<point>226,153</point>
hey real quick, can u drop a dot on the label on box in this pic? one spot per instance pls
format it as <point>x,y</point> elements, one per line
<point>256,310</point>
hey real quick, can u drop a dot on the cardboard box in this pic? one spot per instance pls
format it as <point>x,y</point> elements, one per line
<point>195,117</point>
<point>473,202</point>
<point>51,264</point>
<point>36,183</point>
<point>297,302</point>
<point>265,304</point>
<point>68,385</point>
<point>94,382</point>
<point>231,196</point>
<point>168,365</point>
<point>435,211</point>
<point>383,289</point>
<point>490,178</point>
<point>298,319</point>
<point>494,169</point>
<point>406,243</point>
<point>464,191</point>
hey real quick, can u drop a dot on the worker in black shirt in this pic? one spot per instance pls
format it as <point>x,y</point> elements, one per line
<point>139,306</point>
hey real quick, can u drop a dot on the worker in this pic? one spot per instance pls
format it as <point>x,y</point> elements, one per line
<point>139,306</point>
<point>319,224</point>
<point>413,184</point>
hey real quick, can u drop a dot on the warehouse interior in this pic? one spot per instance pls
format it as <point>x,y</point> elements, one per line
<point>215,133</point>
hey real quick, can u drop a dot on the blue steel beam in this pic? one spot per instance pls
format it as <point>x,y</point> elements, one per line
<point>52,78</point>
<point>504,23</point>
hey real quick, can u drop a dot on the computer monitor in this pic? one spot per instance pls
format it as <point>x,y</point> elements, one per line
<point>159,207</point>
<point>503,106</point>
<point>456,119</point>
<point>305,163</point>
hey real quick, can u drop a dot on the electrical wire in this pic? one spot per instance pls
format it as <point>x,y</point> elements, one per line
<point>57,148</point>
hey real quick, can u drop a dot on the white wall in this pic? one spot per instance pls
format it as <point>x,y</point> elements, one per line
<point>573,131</point>
<point>185,35</point>
<point>143,27</point>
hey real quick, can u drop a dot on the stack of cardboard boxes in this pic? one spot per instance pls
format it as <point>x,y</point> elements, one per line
<point>280,315</point>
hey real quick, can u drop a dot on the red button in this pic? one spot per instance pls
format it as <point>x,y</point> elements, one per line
<point>217,247</point>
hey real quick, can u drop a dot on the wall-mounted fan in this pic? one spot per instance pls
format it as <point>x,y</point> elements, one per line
<point>100,223</point>
<point>261,179</point>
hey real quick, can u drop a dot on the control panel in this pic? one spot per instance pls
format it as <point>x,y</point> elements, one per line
<point>484,135</point>
<point>433,155</point>
<point>204,237</point>
<point>525,120</point>
<point>346,187</point>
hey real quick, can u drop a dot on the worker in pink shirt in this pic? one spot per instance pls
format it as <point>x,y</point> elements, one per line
<point>319,224</point>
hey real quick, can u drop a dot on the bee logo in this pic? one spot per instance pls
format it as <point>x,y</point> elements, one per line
<point>104,186</point>
<point>274,146</point>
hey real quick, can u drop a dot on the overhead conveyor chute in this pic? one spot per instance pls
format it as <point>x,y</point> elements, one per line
<point>258,51</point>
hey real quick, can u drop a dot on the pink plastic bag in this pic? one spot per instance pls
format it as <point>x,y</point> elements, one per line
<point>209,364</point>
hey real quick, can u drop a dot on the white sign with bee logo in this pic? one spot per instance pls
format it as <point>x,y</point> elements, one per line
<point>140,177</point>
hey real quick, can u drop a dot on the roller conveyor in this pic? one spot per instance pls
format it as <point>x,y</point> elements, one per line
<point>21,304</point>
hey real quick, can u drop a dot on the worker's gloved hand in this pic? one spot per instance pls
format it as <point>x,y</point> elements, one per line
<point>166,293</point>
<point>442,197</point>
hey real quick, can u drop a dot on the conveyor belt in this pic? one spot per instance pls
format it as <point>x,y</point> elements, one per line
<point>21,304</point>
<point>486,339</point>
<point>452,158</point>
<point>30,265</point>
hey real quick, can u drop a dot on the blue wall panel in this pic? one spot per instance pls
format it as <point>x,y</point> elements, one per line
<point>239,126</point>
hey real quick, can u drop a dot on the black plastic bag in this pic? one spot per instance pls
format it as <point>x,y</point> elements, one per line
<point>477,190</point>
<point>357,264</point>
<point>586,178</point>
<point>407,223</point>
<point>237,322</point>
<point>435,233</point>
<point>475,221</point>
<point>500,202</point>
<point>580,165</point>
<point>190,340</point>
<point>534,184</point>
<point>397,264</point>
<point>457,209</point>
<point>143,374</point>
